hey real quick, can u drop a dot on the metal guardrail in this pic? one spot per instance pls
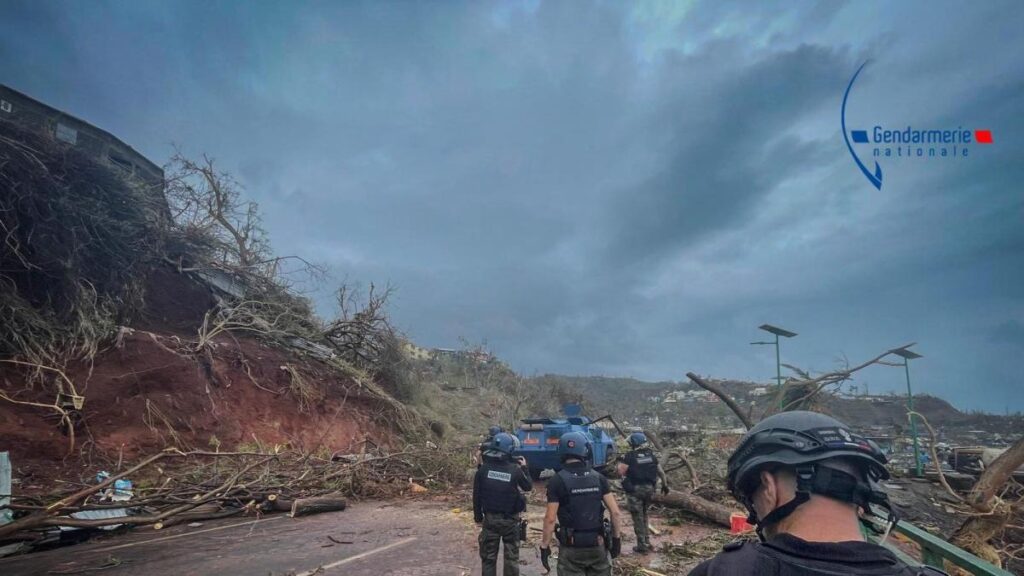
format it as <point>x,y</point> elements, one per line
<point>935,550</point>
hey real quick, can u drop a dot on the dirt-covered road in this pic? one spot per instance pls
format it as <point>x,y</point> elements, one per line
<point>400,537</point>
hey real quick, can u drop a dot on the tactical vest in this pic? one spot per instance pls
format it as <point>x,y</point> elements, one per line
<point>756,558</point>
<point>582,517</point>
<point>498,490</point>
<point>644,467</point>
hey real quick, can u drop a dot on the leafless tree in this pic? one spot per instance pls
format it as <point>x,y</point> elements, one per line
<point>205,199</point>
<point>207,203</point>
<point>362,330</point>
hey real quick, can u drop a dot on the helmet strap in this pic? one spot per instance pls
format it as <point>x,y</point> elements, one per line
<point>829,482</point>
<point>781,512</point>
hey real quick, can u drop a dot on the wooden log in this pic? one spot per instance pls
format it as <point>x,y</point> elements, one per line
<point>276,505</point>
<point>305,506</point>
<point>696,505</point>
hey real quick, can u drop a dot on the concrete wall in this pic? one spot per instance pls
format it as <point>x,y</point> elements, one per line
<point>30,114</point>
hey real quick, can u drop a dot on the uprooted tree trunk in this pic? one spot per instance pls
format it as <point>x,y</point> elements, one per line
<point>992,513</point>
<point>694,504</point>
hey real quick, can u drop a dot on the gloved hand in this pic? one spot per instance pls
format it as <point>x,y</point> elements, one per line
<point>478,518</point>
<point>664,488</point>
<point>545,553</point>
<point>616,547</point>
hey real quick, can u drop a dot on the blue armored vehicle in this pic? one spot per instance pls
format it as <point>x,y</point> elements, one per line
<point>538,440</point>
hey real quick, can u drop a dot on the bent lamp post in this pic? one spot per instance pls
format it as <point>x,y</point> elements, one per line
<point>778,363</point>
<point>907,356</point>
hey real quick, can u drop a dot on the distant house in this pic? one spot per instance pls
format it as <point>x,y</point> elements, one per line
<point>416,352</point>
<point>32,115</point>
<point>759,391</point>
<point>479,355</point>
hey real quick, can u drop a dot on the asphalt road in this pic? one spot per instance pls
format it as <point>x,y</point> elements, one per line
<point>400,538</point>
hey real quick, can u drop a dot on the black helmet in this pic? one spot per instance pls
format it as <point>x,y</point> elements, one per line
<point>800,440</point>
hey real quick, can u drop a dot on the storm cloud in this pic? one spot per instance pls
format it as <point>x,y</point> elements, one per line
<point>609,188</point>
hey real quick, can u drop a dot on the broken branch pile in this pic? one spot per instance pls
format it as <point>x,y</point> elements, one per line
<point>77,239</point>
<point>178,486</point>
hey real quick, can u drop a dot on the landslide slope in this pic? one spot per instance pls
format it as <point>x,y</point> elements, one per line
<point>119,336</point>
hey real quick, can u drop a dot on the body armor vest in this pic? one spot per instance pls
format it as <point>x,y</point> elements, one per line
<point>498,490</point>
<point>644,469</point>
<point>585,510</point>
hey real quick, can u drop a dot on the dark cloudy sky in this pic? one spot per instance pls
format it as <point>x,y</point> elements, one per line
<point>612,188</point>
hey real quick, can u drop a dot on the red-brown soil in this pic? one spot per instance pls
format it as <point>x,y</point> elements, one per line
<point>136,395</point>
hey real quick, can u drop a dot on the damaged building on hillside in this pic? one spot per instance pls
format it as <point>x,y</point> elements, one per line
<point>29,114</point>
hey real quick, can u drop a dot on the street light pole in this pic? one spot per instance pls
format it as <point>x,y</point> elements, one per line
<point>907,356</point>
<point>778,371</point>
<point>778,357</point>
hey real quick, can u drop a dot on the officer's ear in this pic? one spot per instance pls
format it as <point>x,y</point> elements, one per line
<point>766,495</point>
<point>778,486</point>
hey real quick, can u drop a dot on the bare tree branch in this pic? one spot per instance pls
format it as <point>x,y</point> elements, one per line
<point>935,456</point>
<point>714,389</point>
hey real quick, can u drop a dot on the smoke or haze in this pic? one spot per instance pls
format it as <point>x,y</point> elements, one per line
<point>618,188</point>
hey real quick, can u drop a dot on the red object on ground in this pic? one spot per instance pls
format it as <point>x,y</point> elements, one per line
<point>739,524</point>
<point>983,136</point>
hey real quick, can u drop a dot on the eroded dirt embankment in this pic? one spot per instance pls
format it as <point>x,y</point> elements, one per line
<point>144,394</point>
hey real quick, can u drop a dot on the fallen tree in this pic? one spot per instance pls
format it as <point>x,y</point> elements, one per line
<point>717,391</point>
<point>208,485</point>
<point>990,512</point>
<point>689,502</point>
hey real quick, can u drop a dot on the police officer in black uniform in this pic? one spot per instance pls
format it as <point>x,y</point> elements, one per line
<point>577,499</point>
<point>804,477</point>
<point>498,502</point>
<point>640,472</point>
